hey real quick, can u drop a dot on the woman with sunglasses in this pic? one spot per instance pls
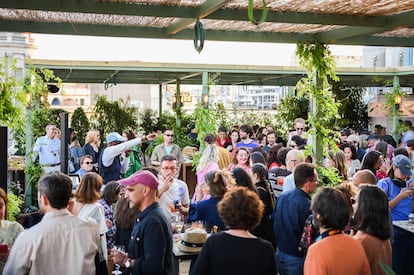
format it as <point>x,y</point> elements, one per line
<point>86,165</point>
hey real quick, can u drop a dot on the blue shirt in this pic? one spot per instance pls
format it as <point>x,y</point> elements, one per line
<point>249,146</point>
<point>207,211</point>
<point>151,243</point>
<point>48,150</point>
<point>291,211</point>
<point>401,209</point>
<point>288,183</point>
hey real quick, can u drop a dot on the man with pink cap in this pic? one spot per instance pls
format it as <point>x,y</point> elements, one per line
<point>150,247</point>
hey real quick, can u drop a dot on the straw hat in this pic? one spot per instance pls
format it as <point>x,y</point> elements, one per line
<point>192,240</point>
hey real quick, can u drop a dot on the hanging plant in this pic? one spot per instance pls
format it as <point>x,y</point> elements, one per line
<point>250,12</point>
<point>198,36</point>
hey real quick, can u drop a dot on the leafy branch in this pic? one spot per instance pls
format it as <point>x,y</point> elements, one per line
<point>317,59</point>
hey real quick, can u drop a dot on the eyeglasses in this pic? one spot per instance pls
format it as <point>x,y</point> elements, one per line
<point>88,162</point>
<point>169,168</point>
<point>168,135</point>
<point>299,129</point>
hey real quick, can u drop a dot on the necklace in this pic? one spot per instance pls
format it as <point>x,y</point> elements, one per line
<point>328,233</point>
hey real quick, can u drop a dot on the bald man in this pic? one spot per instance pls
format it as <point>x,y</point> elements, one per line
<point>293,158</point>
<point>364,176</point>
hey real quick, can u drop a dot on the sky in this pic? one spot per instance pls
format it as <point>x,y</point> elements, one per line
<point>64,47</point>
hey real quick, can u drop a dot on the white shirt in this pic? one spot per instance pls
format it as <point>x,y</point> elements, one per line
<point>111,152</point>
<point>60,244</point>
<point>178,191</point>
<point>47,149</point>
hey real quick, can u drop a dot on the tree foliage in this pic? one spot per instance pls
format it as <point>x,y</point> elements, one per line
<point>80,123</point>
<point>290,108</point>
<point>12,96</point>
<point>149,120</point>
<point>113,116</point>
<point>353,111</point>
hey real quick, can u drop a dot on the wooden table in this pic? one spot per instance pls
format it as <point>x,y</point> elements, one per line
<point>404,225</point>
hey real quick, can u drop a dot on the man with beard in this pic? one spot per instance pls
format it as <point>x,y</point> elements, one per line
<point>152,254</point>
<point>246,132</point>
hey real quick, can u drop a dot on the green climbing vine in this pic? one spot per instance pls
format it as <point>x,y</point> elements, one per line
<point>316,58</point>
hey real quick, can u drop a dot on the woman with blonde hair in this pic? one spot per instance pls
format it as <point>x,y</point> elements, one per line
<point>87,206</point>
<point>92,145</point>
<point>208,162</point>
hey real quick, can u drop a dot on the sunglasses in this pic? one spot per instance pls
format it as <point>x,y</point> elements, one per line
<point>88,162</point>
<point>169,135</point>
<point>299,129</point>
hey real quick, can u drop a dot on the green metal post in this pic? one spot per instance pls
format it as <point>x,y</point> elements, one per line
<point>395,118</point>
<point>160,99</point>
<point>178,110</point>
<point>29,134</point>
<point>204,92</point>
<point>317,146</point>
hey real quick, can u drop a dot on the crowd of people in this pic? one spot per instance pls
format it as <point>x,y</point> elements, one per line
<point>257,194</point>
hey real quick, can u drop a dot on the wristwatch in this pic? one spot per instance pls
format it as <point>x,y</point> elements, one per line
<point>128,263</point>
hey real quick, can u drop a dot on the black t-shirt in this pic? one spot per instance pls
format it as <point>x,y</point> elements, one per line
<point>225,254</point>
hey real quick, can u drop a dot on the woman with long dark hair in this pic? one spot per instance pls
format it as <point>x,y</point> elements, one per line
<point>372,221</point>
<point>372,161</point>
<point>265,192</point>
<point>242,178</point>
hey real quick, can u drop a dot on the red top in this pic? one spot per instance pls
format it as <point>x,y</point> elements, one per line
<point>218,140</point>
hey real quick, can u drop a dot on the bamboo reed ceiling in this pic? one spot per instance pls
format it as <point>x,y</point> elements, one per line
<point>350,22</point>
<point>345,22</point>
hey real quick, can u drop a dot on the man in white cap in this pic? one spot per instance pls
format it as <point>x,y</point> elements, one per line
<point>150,247</point>
<point>113,161</point>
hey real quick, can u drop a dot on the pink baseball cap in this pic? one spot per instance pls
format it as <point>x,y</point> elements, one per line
<point>141,177</point>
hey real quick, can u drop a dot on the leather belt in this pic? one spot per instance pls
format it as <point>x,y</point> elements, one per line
<point>50,165</point>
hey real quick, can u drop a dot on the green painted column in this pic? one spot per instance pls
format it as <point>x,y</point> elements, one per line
<point>160,99</point>
<point>178,105</point>
<point>204,93</point>
<point>29,189</point>
<point>395,118</point>
<point>317,146</point>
